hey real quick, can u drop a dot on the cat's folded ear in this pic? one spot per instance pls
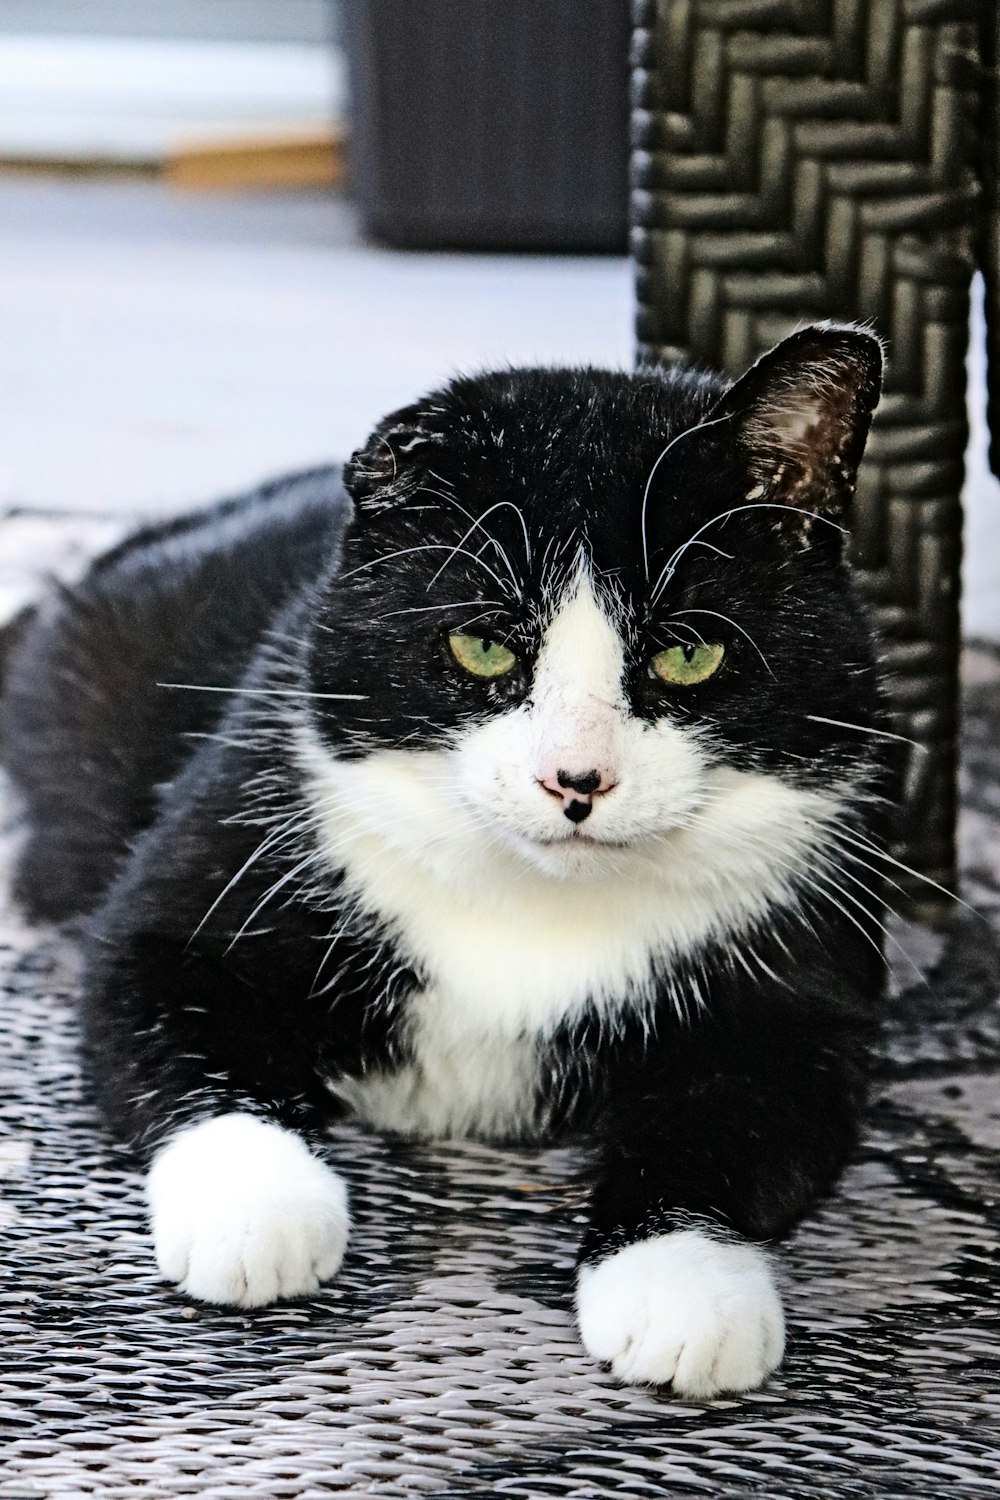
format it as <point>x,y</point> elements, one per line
<point>800,417</point>
<point>391,464</point>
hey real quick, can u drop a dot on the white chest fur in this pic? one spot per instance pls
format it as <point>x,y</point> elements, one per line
<point>458,1083</point>
<point>509,954</point>
<point>507,961</point>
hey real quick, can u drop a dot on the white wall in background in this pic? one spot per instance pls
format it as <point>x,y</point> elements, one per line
<point>86,98</point>
<point>158,351</point>
<point>981,567</point>
<point>207,20</point>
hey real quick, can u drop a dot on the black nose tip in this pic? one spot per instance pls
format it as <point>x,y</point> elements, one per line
<point>577,811</point>
<point>585,784</point>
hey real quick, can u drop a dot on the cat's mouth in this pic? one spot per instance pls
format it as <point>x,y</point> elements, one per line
<point>560,853</point>
<point>575,838</point>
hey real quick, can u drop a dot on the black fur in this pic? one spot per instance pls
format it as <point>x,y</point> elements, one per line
<point>144,802</point>
<point>86,729</point>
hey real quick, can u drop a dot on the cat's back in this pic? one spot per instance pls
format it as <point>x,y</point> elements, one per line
<point>86,732</point>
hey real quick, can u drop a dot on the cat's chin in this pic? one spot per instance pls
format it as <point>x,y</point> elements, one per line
<point>576,857</point>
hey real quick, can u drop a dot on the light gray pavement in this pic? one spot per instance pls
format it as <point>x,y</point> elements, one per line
<point>157,351</point>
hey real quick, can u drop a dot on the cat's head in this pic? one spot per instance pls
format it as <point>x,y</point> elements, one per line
<point>592,619</point>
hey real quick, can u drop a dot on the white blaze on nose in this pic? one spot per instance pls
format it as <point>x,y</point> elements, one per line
<point>578,699</point>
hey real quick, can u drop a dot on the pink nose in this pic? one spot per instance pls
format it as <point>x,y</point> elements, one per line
<point>577,790</point>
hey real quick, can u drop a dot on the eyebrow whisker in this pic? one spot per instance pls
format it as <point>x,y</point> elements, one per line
<point>696,427</point>
<point>672,562</point>
<point>422,609</point>
<point>429,547</point>
<point>677,614</point>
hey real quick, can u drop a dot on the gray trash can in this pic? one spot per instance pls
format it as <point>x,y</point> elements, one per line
<point>490,124</point>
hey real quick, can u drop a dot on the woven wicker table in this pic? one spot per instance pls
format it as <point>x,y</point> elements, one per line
<point>444,1361</point>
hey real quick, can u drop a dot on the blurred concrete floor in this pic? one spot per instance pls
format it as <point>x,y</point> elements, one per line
<point>158,350</point>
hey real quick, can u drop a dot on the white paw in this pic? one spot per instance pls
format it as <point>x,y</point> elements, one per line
<point>243,1213</point>
<point>699,1313</point>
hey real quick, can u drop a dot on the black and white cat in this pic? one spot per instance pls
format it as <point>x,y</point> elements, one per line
<point>544,790</point>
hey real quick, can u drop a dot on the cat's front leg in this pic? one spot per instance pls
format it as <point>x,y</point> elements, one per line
<point>184,1057</point>
<point>712,1148</point>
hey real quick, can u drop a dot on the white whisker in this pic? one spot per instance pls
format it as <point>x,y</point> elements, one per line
<point>242,692</point>
<point>290,829</point>
<point>421,609</point>
<point>882,734</point>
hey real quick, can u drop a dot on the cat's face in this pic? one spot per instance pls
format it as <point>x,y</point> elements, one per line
<point>595,620</point>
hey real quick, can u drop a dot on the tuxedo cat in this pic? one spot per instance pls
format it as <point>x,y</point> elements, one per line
<point>540,789</point>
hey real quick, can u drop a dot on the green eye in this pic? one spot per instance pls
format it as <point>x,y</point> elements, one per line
<point>480,656</point>
<point>686,665</point>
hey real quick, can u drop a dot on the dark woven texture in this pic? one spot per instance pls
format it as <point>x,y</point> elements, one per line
<point>444,1360</point>
<point>808,159</point>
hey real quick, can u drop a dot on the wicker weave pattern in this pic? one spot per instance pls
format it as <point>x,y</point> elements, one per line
<point>805,159</point>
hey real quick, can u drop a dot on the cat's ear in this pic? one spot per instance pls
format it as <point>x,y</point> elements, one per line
<point>389,467</point>
<point>800,417</point>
